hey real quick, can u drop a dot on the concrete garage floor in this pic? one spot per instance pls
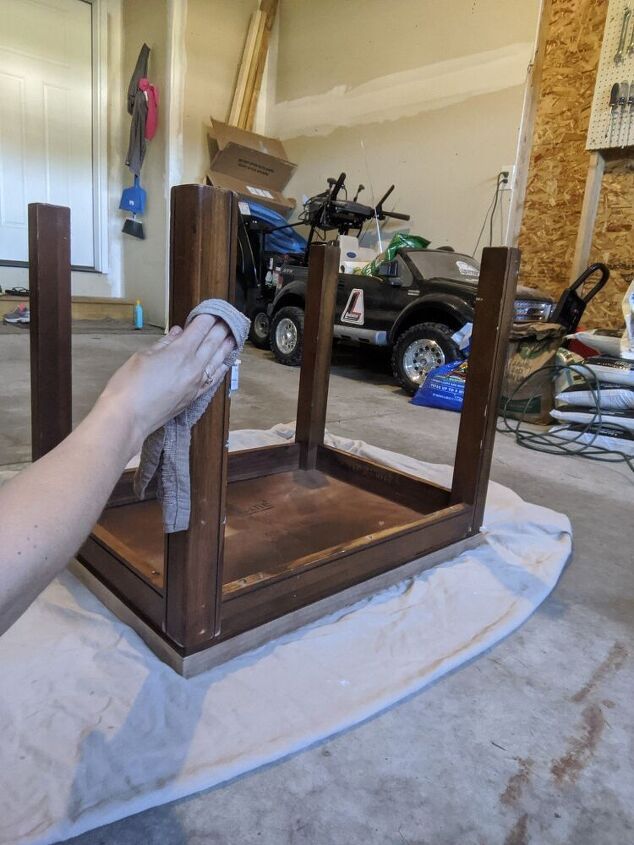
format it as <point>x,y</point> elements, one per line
<point>530,743</point>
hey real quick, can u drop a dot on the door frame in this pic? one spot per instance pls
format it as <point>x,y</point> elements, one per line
<point>99,28</point>
<point>173,106</point>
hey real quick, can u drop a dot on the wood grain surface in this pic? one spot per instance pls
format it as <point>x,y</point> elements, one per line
<point>559,164</point>
<point>50,331</point>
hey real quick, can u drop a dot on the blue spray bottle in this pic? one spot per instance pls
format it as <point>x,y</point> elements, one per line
<point>138,315</point>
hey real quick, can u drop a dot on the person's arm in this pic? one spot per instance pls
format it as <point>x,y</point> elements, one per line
<point>47,511</point>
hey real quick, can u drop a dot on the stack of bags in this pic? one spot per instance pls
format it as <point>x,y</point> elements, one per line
<point>596,406</point>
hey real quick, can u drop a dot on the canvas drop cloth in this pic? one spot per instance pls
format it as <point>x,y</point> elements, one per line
<point>94,728</point>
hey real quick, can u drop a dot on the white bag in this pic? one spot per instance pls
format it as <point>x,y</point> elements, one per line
<point>606,341</point>
<point>612,370</point>
<point>623,419</point>
<point>623,443</point>
<point>610,398</point>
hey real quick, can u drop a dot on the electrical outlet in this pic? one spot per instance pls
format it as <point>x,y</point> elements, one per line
<point>508,183</point>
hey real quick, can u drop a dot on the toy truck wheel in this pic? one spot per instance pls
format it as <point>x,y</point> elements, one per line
<point>260,328</point>
<point>287,335</point>
<point>419,350</point>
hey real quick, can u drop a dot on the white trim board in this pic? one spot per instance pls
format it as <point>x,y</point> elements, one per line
<point>176,73</point>
<point>100,135</point>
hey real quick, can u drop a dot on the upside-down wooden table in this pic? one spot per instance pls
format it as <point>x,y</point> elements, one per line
<point>279,535</point>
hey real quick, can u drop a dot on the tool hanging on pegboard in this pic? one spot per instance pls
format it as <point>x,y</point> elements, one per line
<point>624,91</point>
<point>630,46</point>
<point>620,53</point>
<point>630,102</point>
<point>611,116</point>
<point>614,98</point>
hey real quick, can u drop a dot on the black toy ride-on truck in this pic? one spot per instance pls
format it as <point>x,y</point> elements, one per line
<point>266,242</point>
<point>414,304</point>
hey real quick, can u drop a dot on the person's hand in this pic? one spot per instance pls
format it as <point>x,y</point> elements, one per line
<point>155,385</point>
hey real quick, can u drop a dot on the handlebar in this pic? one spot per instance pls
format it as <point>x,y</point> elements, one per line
<point>379,206</point>
<point>383,214</point>
<point>325,211</point>
<point>394,215</point>
<point>337,186</point>
<point>590,271</point>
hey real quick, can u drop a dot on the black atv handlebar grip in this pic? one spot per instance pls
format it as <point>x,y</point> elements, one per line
<point>338,186</point>
<point>379,205</point>
<point>395,215</point>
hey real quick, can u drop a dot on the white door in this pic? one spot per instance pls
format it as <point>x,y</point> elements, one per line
<point>45,120</point>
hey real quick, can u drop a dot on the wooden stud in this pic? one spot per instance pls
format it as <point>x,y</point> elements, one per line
<point>592,192</point>
<point>269,7</point>
<point>527,125</point>
<point>489,343</point>
<point>50,341</point>
<point>251,47</point>
<point>323,272</point>
<point>250,72</point>
<point>202,266</point>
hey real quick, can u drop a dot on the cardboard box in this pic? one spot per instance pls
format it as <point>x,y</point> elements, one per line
<point>245,190</point>
<point>252,165</point>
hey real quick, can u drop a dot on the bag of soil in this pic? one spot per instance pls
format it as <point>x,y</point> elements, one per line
<point>531,347</point>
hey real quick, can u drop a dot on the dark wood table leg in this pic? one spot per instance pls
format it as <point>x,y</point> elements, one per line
<point>489,343</point>
<point>49,283</point>
<point>323,274</point>
<point>202,266</point>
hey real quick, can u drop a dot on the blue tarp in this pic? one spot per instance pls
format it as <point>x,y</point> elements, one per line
<point>284,240</point>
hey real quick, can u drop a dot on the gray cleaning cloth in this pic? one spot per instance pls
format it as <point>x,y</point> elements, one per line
<point>166,450</point>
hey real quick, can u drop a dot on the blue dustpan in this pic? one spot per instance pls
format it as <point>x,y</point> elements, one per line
<point>133,199</point>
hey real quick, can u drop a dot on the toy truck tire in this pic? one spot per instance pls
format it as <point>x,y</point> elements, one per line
<point>287,335</point>
<point>259,333</point>
<point>420,349</point>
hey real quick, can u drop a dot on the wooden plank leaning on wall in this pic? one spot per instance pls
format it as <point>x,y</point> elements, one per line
<point>251,70</point>
<point>527,125</point>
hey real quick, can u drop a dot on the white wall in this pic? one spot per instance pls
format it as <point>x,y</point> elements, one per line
<point>214,38</point>
<point>432,90</point>
<point>144,261</point>
<point>196,47</point>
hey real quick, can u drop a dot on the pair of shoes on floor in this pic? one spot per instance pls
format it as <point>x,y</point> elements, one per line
<point>21,315</point>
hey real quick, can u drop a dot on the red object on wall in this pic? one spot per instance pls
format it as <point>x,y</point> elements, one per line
<point>152,97</point>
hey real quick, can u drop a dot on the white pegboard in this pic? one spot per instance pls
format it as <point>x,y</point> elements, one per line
<point>609,73</point>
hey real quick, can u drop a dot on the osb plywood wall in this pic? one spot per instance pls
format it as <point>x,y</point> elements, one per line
<point>559,164</point>
<point>613,242</point>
